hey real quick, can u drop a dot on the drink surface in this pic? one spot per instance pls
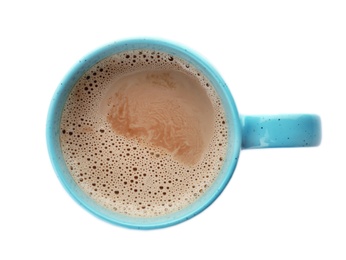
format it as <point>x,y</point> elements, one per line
<point>144,133</point>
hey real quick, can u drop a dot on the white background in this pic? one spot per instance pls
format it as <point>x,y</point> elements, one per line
<point>276,56</point>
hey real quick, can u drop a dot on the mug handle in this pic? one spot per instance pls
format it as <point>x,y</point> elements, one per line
<point>289,130</point>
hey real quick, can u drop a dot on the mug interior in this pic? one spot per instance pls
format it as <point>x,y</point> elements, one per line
<point>56,155</point>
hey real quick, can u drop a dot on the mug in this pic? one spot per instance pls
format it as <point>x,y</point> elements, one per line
<point>260,131</point>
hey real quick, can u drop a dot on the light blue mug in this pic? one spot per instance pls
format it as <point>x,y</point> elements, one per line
<point>267,131</point>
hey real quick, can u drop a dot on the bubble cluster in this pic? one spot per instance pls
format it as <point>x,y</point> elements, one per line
<point>126,174</point>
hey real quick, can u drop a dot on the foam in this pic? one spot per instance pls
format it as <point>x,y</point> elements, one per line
<point>144,158</point>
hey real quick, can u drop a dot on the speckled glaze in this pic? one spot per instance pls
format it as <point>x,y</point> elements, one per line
<point>292,130</point>
<point>245,132</point>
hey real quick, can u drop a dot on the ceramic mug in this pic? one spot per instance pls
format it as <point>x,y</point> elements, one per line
<point>267,131</point>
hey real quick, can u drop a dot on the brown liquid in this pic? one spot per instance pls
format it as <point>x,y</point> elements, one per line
<point>166,109</point>
<point>143,133</point>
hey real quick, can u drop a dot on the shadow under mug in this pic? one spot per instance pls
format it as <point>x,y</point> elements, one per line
<point>267,131</point>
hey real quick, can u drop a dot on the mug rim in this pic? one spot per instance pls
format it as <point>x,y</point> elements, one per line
<point>53,131</point>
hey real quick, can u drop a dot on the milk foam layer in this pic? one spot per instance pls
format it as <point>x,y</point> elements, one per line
<point>144,133</point>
